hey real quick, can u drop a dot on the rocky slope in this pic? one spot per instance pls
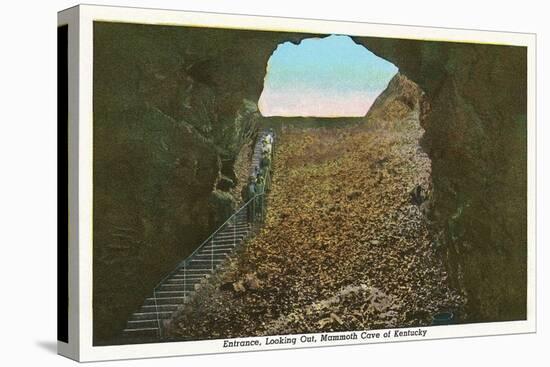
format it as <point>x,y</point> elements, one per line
<point>344,246</point>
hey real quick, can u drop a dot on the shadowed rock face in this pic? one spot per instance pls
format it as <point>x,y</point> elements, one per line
<point>168,116</point>
<point>476,137</point>
<point>166,137</point>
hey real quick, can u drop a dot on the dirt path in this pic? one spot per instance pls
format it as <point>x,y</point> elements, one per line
<point>343,247</point>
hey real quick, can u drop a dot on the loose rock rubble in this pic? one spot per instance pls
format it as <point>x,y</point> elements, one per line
<point>343,246</point>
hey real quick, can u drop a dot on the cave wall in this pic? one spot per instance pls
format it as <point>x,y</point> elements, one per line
<point>168,126</point>
<point>165,106</point>
<point>476,137</point>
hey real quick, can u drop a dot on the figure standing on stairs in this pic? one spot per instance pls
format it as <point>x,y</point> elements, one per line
<point>266,160</point>
<point>267,144</point>
<point>266,149</point>
<point>265,163</point>
<point>248,193</point>
<point>260,189</point>
<point>269,137</point>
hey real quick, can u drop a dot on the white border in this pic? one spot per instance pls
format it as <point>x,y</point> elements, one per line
<point>89,13</point>
<point>71,19</point>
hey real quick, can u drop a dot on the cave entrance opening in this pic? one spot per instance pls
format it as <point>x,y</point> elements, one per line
<point>337,82</point>
<point>323,77</point>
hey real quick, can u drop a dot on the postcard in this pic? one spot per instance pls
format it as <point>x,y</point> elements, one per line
<point>236,183</point>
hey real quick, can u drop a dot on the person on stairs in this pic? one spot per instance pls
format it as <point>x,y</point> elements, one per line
<point>260,198</point>
<point>265,162</point>
<point>265,171</point>
<point>248,193</point>
<point>266,144</point>
<point>269,137</point>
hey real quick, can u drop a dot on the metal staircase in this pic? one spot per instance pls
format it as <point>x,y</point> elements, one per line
<point>175,289</point>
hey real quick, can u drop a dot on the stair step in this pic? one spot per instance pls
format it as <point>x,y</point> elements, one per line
<point>179,287</point>
<point>225,248</point>
<point>239,235</point>
<point>182,286</point>
<point>243,224</point>
<point>188,277</point>
<point>242,227</point>
<point>142,324</point>
<point>163,293</point>
<point>198,268</point>
<point>205,262</point>
<point>204,265</point>
<point>232,233</point>
<point>214,252</point>
<point>239,228</point>
<point>224,242</point>
<point>193,281</point>
<point>207,255</point>
<point>160,308</point>
<point>182,280</point>
<point>217,249</point>
<point>238,218</point>
<point>220,250</point>
<point>164,301</point>
<point>151,315</point>
<point>141,333</point>
<point>195,272</point>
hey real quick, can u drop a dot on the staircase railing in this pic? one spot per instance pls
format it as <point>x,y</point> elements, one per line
<point>255,211</point>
